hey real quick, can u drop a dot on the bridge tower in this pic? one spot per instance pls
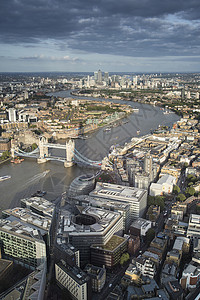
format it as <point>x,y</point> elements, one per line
<point>14,147</point>
<point>70,147</point>
<point>43,150</point>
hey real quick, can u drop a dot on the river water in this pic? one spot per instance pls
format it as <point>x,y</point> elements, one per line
<point>28,177</point>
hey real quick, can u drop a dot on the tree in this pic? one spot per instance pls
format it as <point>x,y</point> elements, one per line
<point>159,200</point>
<point>124,258</point>
<point>190,191</point>
<point>150,235</point>
<point>5,155</point>
<point>176,189</point>
<point>150,200</point>
<point>191,177</point>
<point>181,197</point>
<point>34,146</point>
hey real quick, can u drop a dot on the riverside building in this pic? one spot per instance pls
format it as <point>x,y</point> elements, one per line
<point>39,206</point>
<point>22,243</point>
<point>137,198</point>
<point>35,221</point>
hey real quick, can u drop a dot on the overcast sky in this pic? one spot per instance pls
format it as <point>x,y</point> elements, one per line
<point>113,35</point>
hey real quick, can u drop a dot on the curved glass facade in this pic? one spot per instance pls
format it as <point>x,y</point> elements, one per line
<point>82,185</point>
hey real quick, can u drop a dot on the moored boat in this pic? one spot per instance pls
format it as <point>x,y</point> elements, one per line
<point>17,160</point>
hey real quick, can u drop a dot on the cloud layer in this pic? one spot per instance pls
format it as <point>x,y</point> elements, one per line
<point>132,28</point>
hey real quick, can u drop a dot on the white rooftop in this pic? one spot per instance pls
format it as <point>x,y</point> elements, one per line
<point>117,192</point>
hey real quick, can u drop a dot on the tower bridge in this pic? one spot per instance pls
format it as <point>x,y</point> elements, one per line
<point>43,154</point>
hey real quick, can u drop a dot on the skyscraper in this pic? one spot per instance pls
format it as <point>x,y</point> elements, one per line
<point>96,76</point>
<point>106,76</point>
<point>12,115</point>
<point>99,76</point>
<point>148,164</point>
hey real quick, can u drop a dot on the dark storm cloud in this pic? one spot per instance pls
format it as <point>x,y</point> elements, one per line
<point>129,27</point>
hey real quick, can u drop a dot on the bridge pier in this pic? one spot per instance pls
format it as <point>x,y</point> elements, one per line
<point>68,164</point>
<point>41,160</point>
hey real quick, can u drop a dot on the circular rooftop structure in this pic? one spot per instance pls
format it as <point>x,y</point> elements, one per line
<point>83,219</point>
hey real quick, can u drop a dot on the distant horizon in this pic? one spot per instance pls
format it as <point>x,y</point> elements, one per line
<point>92,72</point>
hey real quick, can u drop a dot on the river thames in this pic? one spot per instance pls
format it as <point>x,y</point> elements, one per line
<point>28,177</point>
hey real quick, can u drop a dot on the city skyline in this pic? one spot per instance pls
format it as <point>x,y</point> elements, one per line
<point>136,36</point>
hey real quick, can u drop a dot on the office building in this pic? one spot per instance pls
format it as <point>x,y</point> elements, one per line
<point>140,227</point>
<point>89,226</point>
<point>72,279</point>
<point>12,115</point>
<point>110,253</point>
<point>141,180</point>
<point>67,252</point>
<point>22,243</point>
<point>32,287</point>
<point>39,206</point>
<point>133,244</point>
<point>163,186</point>
<point>99,76</point>
<point>137,198</point>
<point>112,205</point>
<point>95,76</point>
<point>190,276</point>
<point>193,230</point>
<point>97,275</point>
<point>106,77</point>
<point>35,221</point>
<point>148,164</point>
<point>145,266</point>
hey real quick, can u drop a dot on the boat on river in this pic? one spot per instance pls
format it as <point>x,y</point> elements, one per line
<point>39,194</point>
<point>5,177</point>
<point>17,160</point>
<point>107,129</point>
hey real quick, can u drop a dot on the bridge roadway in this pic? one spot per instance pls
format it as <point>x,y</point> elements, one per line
<point>79,156</point>
<point>55,146</point>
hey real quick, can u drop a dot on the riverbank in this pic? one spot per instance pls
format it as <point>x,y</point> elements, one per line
<point>146,97</point>
<point>79,117</point>
<point>26,178</point>
<point>5,160</point>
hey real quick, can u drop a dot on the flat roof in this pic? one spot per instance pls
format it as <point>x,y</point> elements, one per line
<point>104,220</point>
<point>27,216</point>
<point>169,179</point>
<point>14,226</point>
<point>112,244</point>
<point>140,223</point>
<point>75,272</point>
<point>41,204</point>
<point>117,192</point>
<point>104,202</point>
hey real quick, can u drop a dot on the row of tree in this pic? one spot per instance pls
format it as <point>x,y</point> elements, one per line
<point>5,155</point>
